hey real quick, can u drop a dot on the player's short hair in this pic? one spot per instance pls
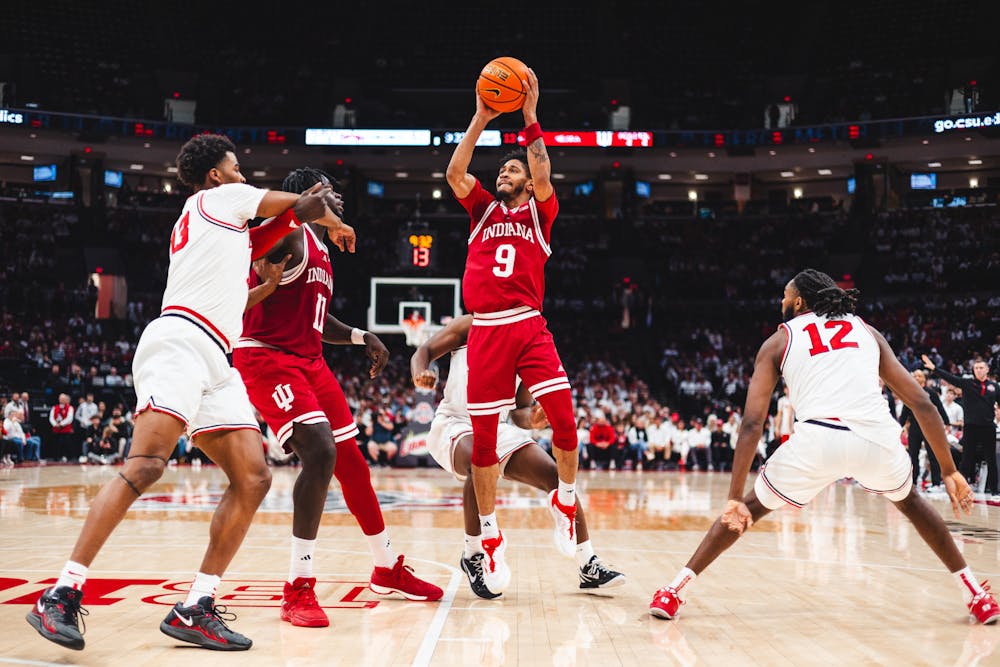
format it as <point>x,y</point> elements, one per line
<point>200,155</point>
<point>519,154</point>
<point>300,180</point>
<point>823,295</point>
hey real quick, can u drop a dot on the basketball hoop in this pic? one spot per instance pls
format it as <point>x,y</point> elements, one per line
<point>415,332</point>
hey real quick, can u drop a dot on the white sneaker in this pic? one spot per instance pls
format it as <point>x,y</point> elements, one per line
<point>496,572</point>
<point>564,533</point>
<point>82,459</point>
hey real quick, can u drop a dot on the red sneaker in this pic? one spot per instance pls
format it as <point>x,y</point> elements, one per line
<point>400,579</point>
<point>666,604</point>
<point>983,607</point>
<point>299,606</point>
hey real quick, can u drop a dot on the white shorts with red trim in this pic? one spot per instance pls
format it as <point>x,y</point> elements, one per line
<point>446,431</point>
<point>816,455</point>
<point>180,371</point>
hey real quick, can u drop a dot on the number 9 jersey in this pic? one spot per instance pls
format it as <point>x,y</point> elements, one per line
<point>831,367</point>
<point>508,248</point>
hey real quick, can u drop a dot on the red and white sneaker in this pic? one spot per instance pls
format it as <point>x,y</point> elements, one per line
<point>564,534</point>
<point>299,605</point>
<point>983,607</point>
<point>666,603</point>
<point>496,572</point>
<point>399,579</point>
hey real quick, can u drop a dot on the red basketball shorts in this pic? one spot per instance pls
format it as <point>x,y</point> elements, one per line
<point>287,389</point>
<point>503,348</point>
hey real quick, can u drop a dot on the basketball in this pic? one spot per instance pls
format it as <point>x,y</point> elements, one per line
<point>500,84</point>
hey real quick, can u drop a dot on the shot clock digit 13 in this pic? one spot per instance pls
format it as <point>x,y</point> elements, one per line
<point>418,251</point>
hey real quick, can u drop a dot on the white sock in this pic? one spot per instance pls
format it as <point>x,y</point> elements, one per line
<point>473,545</point>
<point>584,552</point>
<point>381,548</point>
<point>302,559</point>
<point>567,494</point>
<point>968,583</point>
<point>73,575</point>
<point>683,578</point>
<point>204,584</point>
<point>489,526</point>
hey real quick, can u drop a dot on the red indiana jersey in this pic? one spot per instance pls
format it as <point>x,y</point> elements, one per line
<point>508,249</point>
<point>292,318</point>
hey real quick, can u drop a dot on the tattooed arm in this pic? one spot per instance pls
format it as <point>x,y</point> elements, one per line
<point>538,157</point>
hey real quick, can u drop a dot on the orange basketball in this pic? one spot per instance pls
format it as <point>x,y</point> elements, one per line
<point>500,84</point>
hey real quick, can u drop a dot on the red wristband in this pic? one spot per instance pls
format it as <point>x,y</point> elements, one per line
<point>532,132</point>
<point>287,219</point>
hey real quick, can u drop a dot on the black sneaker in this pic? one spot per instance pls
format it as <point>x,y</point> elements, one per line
<point>596,575</point>
<point>55,617</point>
<point>473,568</point>
<point>204,624</point>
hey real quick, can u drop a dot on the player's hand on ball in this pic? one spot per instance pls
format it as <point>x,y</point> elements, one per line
<point>425,379</point>
<point>736,517</point>
<point>270,272</point>
<point>960,494</point>
<point>485,111</point>
<point>342,236</point>
<point>538,420</point>
<point>377,352</point>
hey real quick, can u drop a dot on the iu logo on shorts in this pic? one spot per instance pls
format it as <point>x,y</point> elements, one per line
<point>283,396</point>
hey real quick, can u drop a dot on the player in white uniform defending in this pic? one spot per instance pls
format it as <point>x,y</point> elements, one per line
<point>520,458</point>
<point>831,361</point>
<point>184,382</point>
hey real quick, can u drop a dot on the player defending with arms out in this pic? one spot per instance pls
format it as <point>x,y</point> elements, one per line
<point>831,361</point>
<point>519,457</point>
<point>183,381</point>
<point>280,357</point>
<point>503,287</point>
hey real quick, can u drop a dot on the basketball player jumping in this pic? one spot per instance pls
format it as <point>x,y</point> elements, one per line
<point>503,286</point>
<point>183,381</point>
<point>280,357</point>
<point>831,361</point>
<point>519,457</point>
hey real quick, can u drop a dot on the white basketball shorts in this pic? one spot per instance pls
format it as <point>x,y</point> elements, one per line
<point>446,431</point>
<point>180,371</point>
<point>816,456</point>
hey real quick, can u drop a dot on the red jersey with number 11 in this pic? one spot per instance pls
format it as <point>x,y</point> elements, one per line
<point>292,318</point>
<point>508,249</point>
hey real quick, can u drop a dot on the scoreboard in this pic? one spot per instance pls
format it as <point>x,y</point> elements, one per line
<point>418,250</point>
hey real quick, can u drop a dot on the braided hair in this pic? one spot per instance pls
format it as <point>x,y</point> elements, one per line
<point>519,154</point>
<point>300,180</point>
<point>200,155</point>
<point>823,295</point>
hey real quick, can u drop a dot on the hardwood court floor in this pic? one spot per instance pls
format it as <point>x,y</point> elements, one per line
<point>844,581</point>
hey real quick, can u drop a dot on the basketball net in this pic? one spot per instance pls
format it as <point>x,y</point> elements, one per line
<point>415,331</point>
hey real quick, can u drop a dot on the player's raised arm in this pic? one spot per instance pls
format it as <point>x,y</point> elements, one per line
<point>459,178</point>
<point>538,156</point>
<point>286,211</point>
<point>451,336</point>
<point>913,395</point>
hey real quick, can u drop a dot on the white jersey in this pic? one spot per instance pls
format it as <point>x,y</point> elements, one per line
<point>455,402</point>
<point>831,368</point>
<point>209,260</point>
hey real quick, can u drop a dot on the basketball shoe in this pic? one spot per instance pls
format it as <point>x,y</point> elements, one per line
<point>564,534</point>
<point>399,579</point>
<point>496,572</point>
<point>299,606</point>
<point>596,574</point>
<point>55,617</point>
<point>473,568</point>
<point>666,603</point>
<point>204,624</point>
<point>983,607</point>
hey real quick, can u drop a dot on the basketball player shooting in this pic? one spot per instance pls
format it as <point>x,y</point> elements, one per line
<point>280,357</point>
<point>831,361</point>
<point>504,286</point>
<point>520,458</point>
<point>183,381</point>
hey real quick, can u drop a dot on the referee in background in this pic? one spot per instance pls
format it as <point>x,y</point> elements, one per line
<point>979,395</point>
